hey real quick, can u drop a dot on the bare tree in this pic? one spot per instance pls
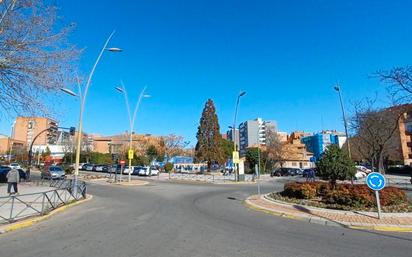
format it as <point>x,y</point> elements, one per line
<point>275,149</point>
<point>399,83</point>
<point>173,145</point>
<point>374,131</point>
<point>34,55</point>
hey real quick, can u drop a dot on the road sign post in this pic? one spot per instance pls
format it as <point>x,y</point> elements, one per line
<point>376,182</point>
<point>122,163</point>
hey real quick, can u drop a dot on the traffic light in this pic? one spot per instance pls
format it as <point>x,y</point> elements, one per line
<point>72,131</point>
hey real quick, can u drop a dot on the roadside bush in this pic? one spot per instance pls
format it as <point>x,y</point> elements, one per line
<point>392,196</point>
<point>299,190</point>
<point>344,195</point>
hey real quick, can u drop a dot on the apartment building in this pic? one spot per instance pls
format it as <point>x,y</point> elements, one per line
<point>317,143</point>
<point>253,133</point>
<point>25,129</point>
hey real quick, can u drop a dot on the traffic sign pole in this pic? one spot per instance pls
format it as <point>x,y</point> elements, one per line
<point>378,203</point>
<point>376,182</point>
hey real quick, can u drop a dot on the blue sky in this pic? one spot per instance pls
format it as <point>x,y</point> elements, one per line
<point>286,55</point>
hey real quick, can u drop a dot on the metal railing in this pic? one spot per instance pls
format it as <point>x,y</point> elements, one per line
<point>17,207</point>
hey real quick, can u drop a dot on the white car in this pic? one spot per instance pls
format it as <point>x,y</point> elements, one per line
<point>360,175</point>
<point>148,171</point>
<point>126,170</point>
<point>361,168</point>
<point>15,165</point>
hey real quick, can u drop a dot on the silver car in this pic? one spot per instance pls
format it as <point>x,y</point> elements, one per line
<point>53,172</point>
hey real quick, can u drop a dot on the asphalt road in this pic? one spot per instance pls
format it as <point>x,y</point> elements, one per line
<point>173,219</point>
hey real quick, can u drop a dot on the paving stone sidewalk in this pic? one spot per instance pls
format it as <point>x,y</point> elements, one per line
<point>389,221</point>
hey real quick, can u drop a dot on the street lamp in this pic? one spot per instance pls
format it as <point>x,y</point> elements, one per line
<point>242,93</point>
<point>122,89</point>
<point>82,98</point>
<point>338,89</point>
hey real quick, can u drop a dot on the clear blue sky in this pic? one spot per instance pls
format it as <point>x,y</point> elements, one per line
<point>287,55</point>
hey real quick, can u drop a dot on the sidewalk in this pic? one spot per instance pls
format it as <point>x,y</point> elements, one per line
<point>397,222</point>
<point>27,203</point>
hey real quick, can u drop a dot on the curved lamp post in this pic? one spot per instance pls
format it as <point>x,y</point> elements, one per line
<point>242,93</point>
<point>122,89</point>
<point>82,98</point>
<point>337,88</point>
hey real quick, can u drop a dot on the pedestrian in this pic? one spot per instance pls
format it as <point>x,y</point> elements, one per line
<point>13,177</point>
<point>311,175</point>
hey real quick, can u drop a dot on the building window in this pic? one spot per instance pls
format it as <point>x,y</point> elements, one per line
<point>294,164</point>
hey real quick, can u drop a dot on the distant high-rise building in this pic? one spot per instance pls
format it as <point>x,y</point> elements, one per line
<point>229,135</point>
<point>253,133</point>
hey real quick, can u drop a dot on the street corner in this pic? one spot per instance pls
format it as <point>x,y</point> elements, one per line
<point>30,221</point>
<point>390,222</point>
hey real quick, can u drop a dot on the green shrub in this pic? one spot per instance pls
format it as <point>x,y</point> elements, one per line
<point>168,167</point>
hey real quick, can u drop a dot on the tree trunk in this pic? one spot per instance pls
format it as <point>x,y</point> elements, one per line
<point>381,167</point>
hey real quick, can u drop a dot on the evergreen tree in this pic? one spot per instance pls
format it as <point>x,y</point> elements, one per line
<point>208,147</point>
<point>334,165</point>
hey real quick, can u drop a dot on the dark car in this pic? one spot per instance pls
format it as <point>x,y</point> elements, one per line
<point>306,172</point>
<point>5,169</point>
<point>280,172</point>
<point>3,173</point>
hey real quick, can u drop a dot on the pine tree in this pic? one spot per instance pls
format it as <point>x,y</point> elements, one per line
<point>208,147</point>
<point>334,165</point>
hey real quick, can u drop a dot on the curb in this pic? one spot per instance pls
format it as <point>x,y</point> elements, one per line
<point>143,183</point>
<point>36,219</point>
<point>321,221</point>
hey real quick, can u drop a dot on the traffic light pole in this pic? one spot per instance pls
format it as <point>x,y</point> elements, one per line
<point>32,143</point>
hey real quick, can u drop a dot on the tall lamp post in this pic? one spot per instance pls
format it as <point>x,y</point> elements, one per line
<point>82,97</point>
<point>338,89</point>
<point>242,93</point>
<point>132,119</point>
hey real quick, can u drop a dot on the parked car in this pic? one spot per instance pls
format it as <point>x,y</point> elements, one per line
<point>360,175</point>
<point>306,172</point>
<point>14,165</point>
<point>148,171</point>
<point>53,172</point>
<point>280,172</point>
<point>88,167</point>
<point>3,173</point>
<point>363,169</point>
<point>126,169</point>
<point>5,169</point>
<point>136,170</point>
<point>101,168</point>
<point>115,168</point>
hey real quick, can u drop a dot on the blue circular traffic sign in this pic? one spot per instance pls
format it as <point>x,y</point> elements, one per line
<point>375,181</point>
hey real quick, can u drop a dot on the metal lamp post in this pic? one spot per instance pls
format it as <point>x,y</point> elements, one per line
<point>242,93</point>
<point>338,89</point>
<point>82,98</point>
<point>132,119</point>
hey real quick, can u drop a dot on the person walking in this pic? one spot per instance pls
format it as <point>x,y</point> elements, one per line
<point>13,177</point>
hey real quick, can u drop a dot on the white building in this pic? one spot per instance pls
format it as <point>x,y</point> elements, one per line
<point>253,133</point>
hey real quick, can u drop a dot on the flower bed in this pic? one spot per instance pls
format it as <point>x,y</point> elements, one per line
<point>343,197</point>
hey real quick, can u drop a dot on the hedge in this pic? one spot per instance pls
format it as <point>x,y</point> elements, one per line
<point>344,194</point>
